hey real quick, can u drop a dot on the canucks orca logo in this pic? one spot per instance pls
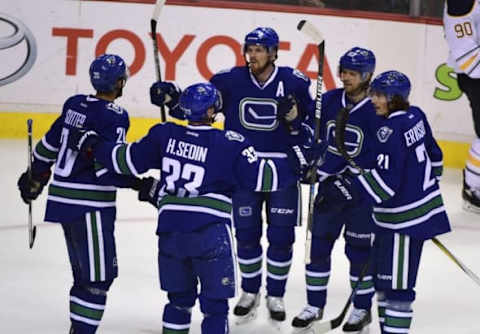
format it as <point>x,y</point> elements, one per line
<point>353,139</point>
<point>258,114</point>
<point>384,133</point>
<point>232,135</point>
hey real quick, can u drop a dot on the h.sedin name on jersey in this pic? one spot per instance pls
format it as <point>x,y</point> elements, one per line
<point>187,150</point>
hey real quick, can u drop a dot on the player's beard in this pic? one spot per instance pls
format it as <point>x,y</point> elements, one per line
<point>258,70</point>
<point>361,88</point>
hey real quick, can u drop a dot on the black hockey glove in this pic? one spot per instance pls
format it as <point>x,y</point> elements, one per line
<point>31,188</point>
<point>83,141</point>
<point>336,193</point>
<point>288,113</point>
<point>148,191</point>
<point>304,161</point>
<point>167,93</point>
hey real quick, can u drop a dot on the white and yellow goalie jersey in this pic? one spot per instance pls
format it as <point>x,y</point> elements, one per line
<point>462,35</point>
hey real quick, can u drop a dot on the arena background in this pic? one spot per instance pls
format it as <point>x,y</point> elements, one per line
<point>196,40</point>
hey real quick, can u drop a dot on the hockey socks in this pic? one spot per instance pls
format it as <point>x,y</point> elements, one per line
<point>278,267</point>
<point>317,276</point>
<point>250,262</point>
<point>86,309</point>
<point>176,320</point>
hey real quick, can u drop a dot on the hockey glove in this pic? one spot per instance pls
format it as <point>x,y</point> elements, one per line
<point>31,188</point>
<point>167,93</point>
<point>148,191</point>
<point>300,162</point>
<point>288,113</point>
<point>83,141</point>
<point>336,193</point>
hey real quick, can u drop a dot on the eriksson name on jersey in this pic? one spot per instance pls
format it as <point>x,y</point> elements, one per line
<point>414,134</point>
<point>187,150</point>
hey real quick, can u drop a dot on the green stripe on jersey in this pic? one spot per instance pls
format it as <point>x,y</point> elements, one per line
<point>201,201</point>
<point>92,195</point>
<point>121,157</point>
<point>377,188</point>
<point>419,211</point>
<point>45,152</point>
<point>437,171</point>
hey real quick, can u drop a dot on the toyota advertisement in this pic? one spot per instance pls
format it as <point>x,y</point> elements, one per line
<point>46,47</point>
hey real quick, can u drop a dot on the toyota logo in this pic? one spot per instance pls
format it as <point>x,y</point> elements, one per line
<point>21,32</point>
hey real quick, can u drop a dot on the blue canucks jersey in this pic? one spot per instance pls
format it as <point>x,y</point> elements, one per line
<point>251,109</point>
<point>200,168</point>
<point>80,185</point>
<point>404,186</point>
<point>359,133</point>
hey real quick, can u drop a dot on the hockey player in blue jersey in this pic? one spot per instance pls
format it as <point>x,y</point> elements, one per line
<point>201,167</point>
<point>403,188</point>
<point>269,105</point>
<point>356,69</point>
<point>81,196</point>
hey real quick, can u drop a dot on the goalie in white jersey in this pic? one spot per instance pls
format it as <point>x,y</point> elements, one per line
<point>461,22</point>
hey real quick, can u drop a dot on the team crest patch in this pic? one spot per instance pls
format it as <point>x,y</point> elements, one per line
<point>245,211</point>
<point>232,135</point>
<point>384,133</point>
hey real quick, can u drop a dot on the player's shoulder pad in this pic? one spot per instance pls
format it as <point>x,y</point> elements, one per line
<point>75,99</point>
<point>227,73</point>
<point>417,111</point>
<point>225,70</point>
<point>396,124</point>
<point>295,74</point>
<point>234,136</point>
<point>115,108</point>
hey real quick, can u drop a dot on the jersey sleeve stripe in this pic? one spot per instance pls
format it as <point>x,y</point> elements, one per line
<point>467,53</point>
<point>468,62</point>
<point>373,183</point>
<point>48,146</point>
<point>114,159</point>
<point>122,159</point>
<point>380,181</point>
<point>43,153</point>
<point>369,189</point>
<point>130,162</point>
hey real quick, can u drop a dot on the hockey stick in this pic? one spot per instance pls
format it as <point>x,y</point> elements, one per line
<point>327,326</point>
<point>32,229</point>
<point>452,257</point>
<point>341,122</point>
<point>312,32</point>
<point>153,29</point>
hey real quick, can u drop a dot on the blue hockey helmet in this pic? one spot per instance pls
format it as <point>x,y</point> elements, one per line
<point>391,83</point>
<point>358,59</point>
<point>197,99</point>
<point>265,36</point>
<point>106,70</point>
